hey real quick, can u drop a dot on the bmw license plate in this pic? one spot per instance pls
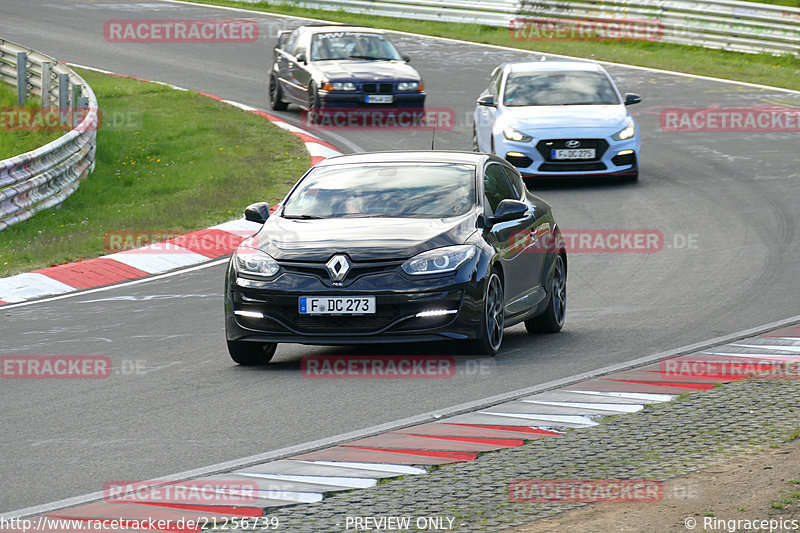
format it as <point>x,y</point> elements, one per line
<point>379,98</point>
<point>338,305</point>
<point>572,153</point>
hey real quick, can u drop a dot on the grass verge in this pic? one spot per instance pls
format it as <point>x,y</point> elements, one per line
<point>166,161</point>
<point>14,141</point>
<point>783,71</point>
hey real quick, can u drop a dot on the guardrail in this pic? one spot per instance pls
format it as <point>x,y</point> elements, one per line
<point>718,24</point>
<point>45,177</point>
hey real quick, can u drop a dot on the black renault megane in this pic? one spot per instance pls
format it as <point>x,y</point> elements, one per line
<point>397,247</point>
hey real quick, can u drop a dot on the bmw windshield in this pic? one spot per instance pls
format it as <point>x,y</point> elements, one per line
<point>559,88</point>
<point>416,190</point>
<point>352,45</point>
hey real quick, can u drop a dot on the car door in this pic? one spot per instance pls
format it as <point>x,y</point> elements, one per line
<point>283,65</point>
<point>509,238</point>
<point>485,115</point>
<point>299,68</point>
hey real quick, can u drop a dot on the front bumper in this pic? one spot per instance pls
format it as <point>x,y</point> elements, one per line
<point>268,311</point>
<point>358,99</point>
<point>533,159</point>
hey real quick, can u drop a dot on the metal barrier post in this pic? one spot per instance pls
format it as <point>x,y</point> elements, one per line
<point>63,98</point>
<point>47,82</point>
<point>22,78</point>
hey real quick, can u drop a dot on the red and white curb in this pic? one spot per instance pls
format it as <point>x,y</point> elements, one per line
<point>361,463</point>
<point>187,250</point>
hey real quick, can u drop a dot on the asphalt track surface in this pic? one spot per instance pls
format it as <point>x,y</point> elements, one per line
<point>735,195</point>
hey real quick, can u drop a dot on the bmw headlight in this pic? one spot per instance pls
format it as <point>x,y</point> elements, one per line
<point>627,132</point>
<point>513,135</point>
<point>339,86</point>
<point>440,260</point>
<point>255,263</point>
<point>409,86</point>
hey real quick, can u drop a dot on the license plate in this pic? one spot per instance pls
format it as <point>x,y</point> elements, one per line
<point>573,153</point>
<point>379,98</point>
<point>337,305</point>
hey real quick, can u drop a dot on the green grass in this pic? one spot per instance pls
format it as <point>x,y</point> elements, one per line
<point>167,161</point>
<point>764,69</point>
<point>14,141</point>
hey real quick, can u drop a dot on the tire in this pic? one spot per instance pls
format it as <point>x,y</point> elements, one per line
<point>314,104</point>
<point>552,320</point>
<point>276,102</point>
<point>251,353</point>
<point>492,321</point>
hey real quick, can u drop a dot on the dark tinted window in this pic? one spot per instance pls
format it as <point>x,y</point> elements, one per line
<point>497,187</point>
<point>352,45</point>
<point>426,190</point>
<point>559,88</point>
<point>516,180</point>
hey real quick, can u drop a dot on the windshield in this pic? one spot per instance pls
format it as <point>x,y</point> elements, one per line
<point>352,45</point>
<point>421,190</point>
<point>559,88</point>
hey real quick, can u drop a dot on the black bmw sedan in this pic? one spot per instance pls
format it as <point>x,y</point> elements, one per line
<point>341,66</point>
<point>397,247</point>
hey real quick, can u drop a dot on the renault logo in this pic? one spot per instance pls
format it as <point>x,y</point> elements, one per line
<point>338,266</point>
<point>572,144</point>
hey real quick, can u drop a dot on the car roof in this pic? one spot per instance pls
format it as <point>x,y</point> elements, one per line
<point>545,66</point>
<point>409,156</point>
<point>325,28</point>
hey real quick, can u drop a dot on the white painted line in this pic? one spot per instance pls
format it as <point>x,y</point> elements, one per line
<point>381,467</point>
<point>558,419</point>
<point>154,263</point>
<point>779,347</point>
<point>239,226</point>
<point>296,497</point>
<point>620,407</point>
<point>320,150</point>
<point>352,482</point>
<point>750,355</point>
<point>29,285</point>
<point>649,397</point>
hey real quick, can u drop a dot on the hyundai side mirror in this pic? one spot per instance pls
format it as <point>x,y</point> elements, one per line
<point>487,100</point>
<point>631,98</point>
<point>257,212</point>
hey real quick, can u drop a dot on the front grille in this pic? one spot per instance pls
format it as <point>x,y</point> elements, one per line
<point>356,271</point>
<point>571,167</point>
<point>545,146</point>
<point>519,162</point>
<point>380,88</point>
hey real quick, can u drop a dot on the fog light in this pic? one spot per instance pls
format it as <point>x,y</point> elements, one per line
<point>249,314</point>
<point>515,154</point>
<point>437,312</point>
<point>625,152</point>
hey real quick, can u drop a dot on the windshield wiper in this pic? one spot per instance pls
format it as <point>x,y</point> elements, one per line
<point>372,57</point>
<point>303,217</point>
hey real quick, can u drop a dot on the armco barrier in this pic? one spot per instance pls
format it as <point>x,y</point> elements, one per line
<point>45,177</point>
<point>719,24</point>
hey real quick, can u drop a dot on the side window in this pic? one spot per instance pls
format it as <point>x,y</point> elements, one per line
<point>516,181</point>
<point>301,45</point>
<point>288,46</point>
<point>494,82</point>
<point>496,186</point>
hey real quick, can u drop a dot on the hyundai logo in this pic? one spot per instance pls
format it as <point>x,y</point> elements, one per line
<point>572,144</point>
<point>338,266</point>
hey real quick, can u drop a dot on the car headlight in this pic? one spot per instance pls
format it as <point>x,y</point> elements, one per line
<point>439,260</point>
<point>513,135</point>
<point>627,132</point>
<point>409,86</point>
<point>255,263</point>
<point>339,86</point>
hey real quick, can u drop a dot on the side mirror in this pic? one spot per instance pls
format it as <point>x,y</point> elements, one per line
<point>631,98</point>
<point>487,100</point>
<point>509,210</point>
<point>407,59</point>
<point>257,212</point>
<point>301,58</point>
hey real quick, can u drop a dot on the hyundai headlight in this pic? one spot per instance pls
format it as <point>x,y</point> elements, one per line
<point>513,135</point>
<point>408,86</point>
<point>255,263</point>
<point>627,132</point>
<point>440,260</point>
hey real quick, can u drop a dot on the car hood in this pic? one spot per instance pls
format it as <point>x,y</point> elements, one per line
<point>366,70</point>
<point>575,116</point>
<point>363,239</point>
